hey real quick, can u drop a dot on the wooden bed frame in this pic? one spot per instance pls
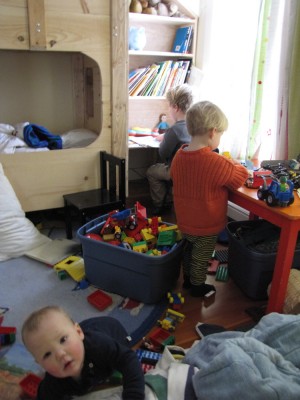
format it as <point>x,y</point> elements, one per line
<point>92,33</point>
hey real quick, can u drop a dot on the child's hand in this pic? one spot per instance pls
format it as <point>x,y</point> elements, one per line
<point>159,138</point>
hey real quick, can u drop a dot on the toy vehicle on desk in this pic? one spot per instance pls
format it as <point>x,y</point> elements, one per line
<point>277,193</point>
<point>256,180</point>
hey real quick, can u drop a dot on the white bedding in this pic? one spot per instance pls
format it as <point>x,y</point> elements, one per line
<point>11,139</point>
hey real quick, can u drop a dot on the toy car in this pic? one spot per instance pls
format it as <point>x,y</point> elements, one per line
<point>170,320</point>
<point>275,194</point>
<point>256,180</point>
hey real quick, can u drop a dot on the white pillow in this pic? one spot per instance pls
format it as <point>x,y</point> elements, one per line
<point>78,138</point>
<point>17,234</point>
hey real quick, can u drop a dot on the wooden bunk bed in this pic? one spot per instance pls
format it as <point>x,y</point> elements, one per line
<point>65,53</point>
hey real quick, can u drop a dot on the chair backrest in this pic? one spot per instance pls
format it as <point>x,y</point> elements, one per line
<point>113,174</point>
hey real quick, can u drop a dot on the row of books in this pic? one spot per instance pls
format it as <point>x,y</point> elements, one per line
<point>158,78</point>
<point>183,40</point>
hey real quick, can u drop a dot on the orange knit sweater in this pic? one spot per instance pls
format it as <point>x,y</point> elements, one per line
<point>201,180</point>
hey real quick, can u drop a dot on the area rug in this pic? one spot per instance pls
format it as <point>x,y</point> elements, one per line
<point>27,284</point>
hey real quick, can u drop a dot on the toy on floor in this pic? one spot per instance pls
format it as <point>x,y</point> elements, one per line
<point>213,266</point>
<point>30,384</point>
<point>7,335</point>
<point>73,265</point>
<point>148,359</point>
<point>157,340</point>
<point>222,273</point>
<point>176,300</point>
<point>171,319</point>
<point>99,300</point>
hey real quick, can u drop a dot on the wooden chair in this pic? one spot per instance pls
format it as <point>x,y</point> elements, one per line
<point>110,196</point>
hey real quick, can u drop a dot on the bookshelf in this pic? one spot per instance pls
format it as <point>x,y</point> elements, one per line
<point>144,111</point>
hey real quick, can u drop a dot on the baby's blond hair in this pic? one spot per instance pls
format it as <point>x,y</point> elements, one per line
<point>33,321</point>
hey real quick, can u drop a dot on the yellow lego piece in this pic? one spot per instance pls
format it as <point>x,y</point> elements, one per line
<point>73,265</point>
<point>146,234</point>
<point>167,228</point>
<point>108,236</point>
<point>129,240</point>
<point>140,247</point>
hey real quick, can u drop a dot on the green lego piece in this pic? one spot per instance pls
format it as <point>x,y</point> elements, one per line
<point>62,275</point>
<point>166,238</point>
<point>222,273</point>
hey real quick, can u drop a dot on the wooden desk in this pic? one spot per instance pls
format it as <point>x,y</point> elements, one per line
<point>288,219</point>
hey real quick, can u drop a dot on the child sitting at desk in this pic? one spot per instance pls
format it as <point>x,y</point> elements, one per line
<point>179,99</point>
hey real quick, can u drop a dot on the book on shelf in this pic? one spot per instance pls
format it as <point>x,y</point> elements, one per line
<point>181,73</point>
<point>190,42</point>
<point>162,75</point>
<point>165,77</point>
<point>183,38</point>
<point>134,76</point>
<point>145,79</point>
<point>137,79</point>
<point>158,78</point>
<point>171,76</point>
<point>184,71</point>
<point>148,86</point>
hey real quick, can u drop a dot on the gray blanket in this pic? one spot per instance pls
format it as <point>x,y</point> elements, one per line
<point>261,364</point>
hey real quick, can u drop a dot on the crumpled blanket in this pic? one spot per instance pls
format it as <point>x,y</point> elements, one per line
<point>261,364</point>
<point>37,136</point>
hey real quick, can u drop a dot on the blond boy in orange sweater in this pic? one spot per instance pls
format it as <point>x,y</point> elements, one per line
<point>201,181</point>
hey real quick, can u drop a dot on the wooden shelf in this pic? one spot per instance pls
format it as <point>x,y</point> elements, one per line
<point>163,54</point>
<point>158,19</point>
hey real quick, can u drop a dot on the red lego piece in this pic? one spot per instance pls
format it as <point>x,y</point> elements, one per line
<point>30,384</point>
<point>7,335</point>
<point>154,225</point>
<point>141,211</point>
<point>99,300</point>
<point>160,338</point>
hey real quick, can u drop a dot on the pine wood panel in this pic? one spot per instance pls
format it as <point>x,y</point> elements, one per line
<point>40,180</point>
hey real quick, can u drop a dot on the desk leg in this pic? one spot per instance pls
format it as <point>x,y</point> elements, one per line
<point>284,260</point>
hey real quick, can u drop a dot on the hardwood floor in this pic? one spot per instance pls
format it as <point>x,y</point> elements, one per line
<point>227,307</point>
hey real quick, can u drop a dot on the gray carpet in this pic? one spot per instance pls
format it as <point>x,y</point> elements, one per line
<point>27,284</point>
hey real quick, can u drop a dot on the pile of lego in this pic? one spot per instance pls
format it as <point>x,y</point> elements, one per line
<point>153,346</point>
<point>132,230</point>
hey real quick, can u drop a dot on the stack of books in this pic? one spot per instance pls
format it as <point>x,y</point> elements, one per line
<point>183,40</point>
<point>158,78</point>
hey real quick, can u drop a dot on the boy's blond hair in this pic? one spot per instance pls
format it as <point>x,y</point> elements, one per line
<point>32,322</point>
<point>180,96</point>
<point>204,116</point>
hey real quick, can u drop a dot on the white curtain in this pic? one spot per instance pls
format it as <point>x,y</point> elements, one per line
<point>245,59</point>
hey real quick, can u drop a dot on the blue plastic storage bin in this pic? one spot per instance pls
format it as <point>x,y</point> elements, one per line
<point>130,274</point>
